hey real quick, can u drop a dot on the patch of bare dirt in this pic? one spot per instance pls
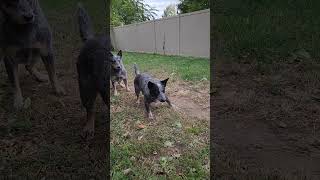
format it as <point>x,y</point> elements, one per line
<point>191,102</point>
<point>266,119</point>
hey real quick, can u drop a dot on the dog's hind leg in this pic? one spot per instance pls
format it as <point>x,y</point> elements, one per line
<point>12,71</point>
<point>137,91</point>
<point>88,130</point>
<point>48,61</point>
<point>34,72</point>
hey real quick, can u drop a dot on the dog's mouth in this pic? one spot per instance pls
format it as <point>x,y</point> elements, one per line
<point>116,69</point>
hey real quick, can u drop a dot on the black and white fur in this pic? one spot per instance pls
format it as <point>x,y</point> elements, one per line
<point>118,72</point>
<point>25,38</point>
<point>152,89</point>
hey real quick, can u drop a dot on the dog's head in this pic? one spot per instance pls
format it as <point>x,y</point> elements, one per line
<point>116,61</point>
<point>18,11</point>
<point>157,90</point>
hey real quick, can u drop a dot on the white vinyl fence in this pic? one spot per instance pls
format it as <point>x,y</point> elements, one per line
<point>184,34</point>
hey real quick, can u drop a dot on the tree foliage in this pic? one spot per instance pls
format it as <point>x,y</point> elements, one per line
<point>130,11</point>
<point>186,6</point>
<point>170,11</point>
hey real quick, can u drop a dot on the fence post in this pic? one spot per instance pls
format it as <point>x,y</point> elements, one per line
<point>179,32</point>
<point>155,36</point>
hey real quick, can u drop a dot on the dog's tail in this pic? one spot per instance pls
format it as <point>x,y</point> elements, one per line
<point>136,70</point>
<point>85,25</point>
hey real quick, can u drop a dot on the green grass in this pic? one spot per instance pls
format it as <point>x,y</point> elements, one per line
<point>174,146</point>
<point>267,30</point>
<point>187,68</point>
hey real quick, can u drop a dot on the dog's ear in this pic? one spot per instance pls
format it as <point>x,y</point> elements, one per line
<point>120,53</point>
<point>152,87</point>
<point>164,82</point>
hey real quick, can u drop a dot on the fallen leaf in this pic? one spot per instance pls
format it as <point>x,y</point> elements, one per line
<point>27,103</point>
<point>168,144</point>
<point>176,155</point>
<point>140,137</point>
<point>282,124</point>
<point>126,135</point>
<point>133,158</point>
<point>178,125</point>
<point>127,171</point>
<point>141,126</point>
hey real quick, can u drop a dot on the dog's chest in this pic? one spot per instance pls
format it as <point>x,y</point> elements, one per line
<point>22,47</point>
<point>117,76</point>
<point>22,55</point>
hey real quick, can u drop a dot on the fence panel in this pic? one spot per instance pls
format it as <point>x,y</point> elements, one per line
<point>185,34</point>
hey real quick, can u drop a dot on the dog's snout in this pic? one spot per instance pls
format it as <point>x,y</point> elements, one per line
<point>162,100</point>
<point>118,67</point>
<point>28,17</point>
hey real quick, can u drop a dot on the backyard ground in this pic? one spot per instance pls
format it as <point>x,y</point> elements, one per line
<point>175,144</point>
<point>266,120</point>
<point>265,90</point>
<point>43,141</point>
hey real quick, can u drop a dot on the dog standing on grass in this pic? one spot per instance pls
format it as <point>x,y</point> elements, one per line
<point>93,68</point>
<point>152,89</point>
<point>118,73</point>
<point>25,37</point>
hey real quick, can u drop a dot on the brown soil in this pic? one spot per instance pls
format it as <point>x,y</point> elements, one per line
<point>191,102</point>
<point>265,121</point>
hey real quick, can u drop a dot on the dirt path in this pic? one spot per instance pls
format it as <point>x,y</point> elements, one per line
<point>190,102</point>
<point>258,136</point>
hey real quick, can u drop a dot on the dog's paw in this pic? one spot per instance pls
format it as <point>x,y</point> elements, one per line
<point>128,90</point>
<point>150,116</point>
<point>116,94</point>
<point>18,102</point>
<point>138,102</point>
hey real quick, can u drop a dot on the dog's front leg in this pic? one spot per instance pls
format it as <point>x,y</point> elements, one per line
<point>49,64</point>
<point>34,72</point>
<point>12,71</point>
<point>125,81</point>
<point>88,130</point>
<point>148,111</point>
<point>114,86</point>
<point>168,101</point>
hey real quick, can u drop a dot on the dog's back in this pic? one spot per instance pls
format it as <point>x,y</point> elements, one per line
<point>141,81</point>
<point>92,64</point>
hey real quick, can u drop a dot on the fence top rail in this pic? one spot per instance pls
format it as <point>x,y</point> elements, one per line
<point>161,19</point>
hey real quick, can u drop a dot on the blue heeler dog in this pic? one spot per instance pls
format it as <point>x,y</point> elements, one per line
<point>25,37</point>
<point>93,69</point>
<point>152,89</point>
<point>118,72</point>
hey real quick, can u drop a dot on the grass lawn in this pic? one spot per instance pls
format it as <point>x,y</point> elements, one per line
<point>172,146</point>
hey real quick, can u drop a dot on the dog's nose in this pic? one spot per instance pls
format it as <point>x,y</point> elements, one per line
<point>28,18</point>
<point>118,67</point>
<point>162,100</point>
